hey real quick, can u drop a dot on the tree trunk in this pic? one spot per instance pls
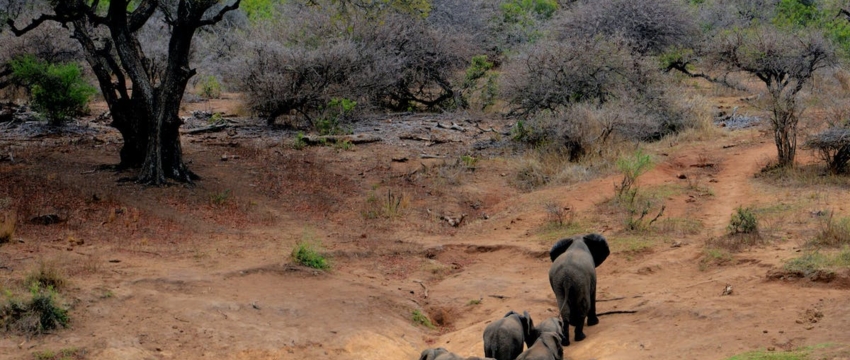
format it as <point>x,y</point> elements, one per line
<point>129,118</point>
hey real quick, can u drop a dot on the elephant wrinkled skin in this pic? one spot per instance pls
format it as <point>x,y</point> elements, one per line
<point>504,338</point>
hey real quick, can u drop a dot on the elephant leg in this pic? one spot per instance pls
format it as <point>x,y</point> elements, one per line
<point>564,309</point>
<point>592,319</point>
<point>579,331</point>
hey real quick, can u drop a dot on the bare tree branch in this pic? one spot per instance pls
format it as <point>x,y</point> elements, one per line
<point>141,15</point>
<point>218,17</point>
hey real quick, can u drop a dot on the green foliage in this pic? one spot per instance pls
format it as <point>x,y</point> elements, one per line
<point>58,90</point>
<point>335,113</point>
<point>743,221</point>
<point>37,315</point>
<point>299,142</point>
<point>479,69</point>
<point>520,132</point>
<point>632,167</point>
<point>220,198</point>
<point>306,253</point>
<point>469,161</point>
<point>63,354</point>
<point>257,10</point>
<point>210,88</point>
<point>815,261</point>
<point>796,14</point>
<point>518,11</point>
<point>421,319</point>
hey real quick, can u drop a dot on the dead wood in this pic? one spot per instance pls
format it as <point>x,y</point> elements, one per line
<point>333,139</point>
<point>208,129</point>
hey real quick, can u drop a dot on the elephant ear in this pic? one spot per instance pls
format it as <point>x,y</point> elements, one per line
<point>511,313</point>
<point>598,247</point>
<point>559,248</point>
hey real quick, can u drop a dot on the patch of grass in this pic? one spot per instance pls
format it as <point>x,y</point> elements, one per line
<point>474,302</point>
<point>714,256</point>
<point>38,314</point>
<point>46,275</point>
<point>631,244</point>
<point>469,161</point>
<point>814,262</point>
<point>801,353</point>
<point>834,232</point>
<point>63,354</point>
<point>344,145</point>
<point>220,198</point>
<point>390,206</point>
<point>538,168</point>
<point>420,319</point>
<point>299,143</point>
<point>306,252</point>
<point>680,226</point>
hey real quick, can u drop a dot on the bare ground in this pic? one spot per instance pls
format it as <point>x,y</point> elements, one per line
<point>204,271</point>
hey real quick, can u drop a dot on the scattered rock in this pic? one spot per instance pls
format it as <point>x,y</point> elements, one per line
<point>728,291</point>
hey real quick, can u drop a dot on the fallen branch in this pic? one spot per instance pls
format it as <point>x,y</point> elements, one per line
<point>208,129</point>
<point>617,312</point>
<point>423,287</point>
<point>453,126</point>
<point>429,156</point>
<point>333,139</point>
<point>613,299</point>
<point>498,296</point>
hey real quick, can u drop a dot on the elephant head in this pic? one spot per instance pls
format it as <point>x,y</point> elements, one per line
<point>553,324</point>
<point>432,354</point>
<point>595,244</point>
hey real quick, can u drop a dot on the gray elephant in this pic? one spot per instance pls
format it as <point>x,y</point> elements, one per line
<point>504,338</point>
<point>546,347</point>
<point>553,324</point>
<point>443,354</point>
<point>573,279</point>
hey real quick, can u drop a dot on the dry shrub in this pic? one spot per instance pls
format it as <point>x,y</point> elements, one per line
<point>649,26</point>
<point>48,274</point>
<point>537,168</point>
<point>833,232</point>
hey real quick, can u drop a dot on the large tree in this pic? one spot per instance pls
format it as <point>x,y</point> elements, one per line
<point>143,98</point>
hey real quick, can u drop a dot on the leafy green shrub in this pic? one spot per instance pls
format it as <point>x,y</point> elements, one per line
<point>479,68</point>
<point>209,87</point>
<point>307,253</point>
<point>743,221</point>
<point>337,111</point>
<point>632,167</point>
<point>58,90</point>
<point>39,314</point>
<point>422,319</point>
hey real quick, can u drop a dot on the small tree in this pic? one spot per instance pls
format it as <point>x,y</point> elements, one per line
<point>784,61</point>
<point>57,90</point>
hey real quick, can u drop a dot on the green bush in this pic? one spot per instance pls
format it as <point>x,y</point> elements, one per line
<point>307,253</point>
<point>632,167</point>
<point>743,221</point>
<point>335,114</point>
<point>37,315</point>
<point>421,319</point>
<point>210,88</point>
<point>57,90</point>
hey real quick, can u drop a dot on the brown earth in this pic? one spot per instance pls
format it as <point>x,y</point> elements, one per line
<point>204,271</point>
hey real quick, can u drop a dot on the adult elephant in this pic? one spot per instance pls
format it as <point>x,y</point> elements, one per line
<point>573,279</point>
<point>504,338</point>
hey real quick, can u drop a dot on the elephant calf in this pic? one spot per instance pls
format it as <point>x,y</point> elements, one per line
<point>504,338</point>
<point>443,354</point>
<point>573,279</point>
<point>546,347</point>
